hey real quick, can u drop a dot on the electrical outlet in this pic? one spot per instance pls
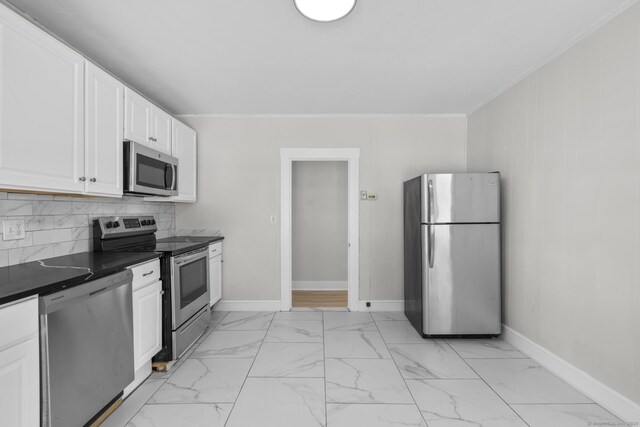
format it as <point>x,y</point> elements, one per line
<point>13,229</point>
<point>273,219</point>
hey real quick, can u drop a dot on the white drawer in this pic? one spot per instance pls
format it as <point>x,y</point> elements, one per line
<point>146,273</point>
<point>18,321</point>
<point>215,249</point>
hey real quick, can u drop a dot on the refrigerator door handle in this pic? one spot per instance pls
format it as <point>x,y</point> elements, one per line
<point>430,243</point>
<point>430,202</point>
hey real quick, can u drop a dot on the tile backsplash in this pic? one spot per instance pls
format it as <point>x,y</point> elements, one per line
<point>60,225</point>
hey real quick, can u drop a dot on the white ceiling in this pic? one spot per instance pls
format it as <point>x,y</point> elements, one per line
<point>263,57</point>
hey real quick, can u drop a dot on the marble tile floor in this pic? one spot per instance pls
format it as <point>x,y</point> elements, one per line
<point>339,369</point>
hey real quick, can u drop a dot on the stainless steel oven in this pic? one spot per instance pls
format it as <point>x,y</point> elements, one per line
<point>189,296</point>
<point>185,273</point>
<point>148,171</point>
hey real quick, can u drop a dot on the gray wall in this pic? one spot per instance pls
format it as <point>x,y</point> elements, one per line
<point>239,188</point>
<point>567,141</point>
<point>319,224</point>
<point>58,225</point>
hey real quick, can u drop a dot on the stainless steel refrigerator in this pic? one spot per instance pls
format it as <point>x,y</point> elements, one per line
<point>452,274</point>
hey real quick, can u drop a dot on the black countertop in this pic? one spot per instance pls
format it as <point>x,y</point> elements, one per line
<point>53,274</point>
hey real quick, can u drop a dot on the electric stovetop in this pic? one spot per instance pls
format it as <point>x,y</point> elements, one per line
<point>137,234</point>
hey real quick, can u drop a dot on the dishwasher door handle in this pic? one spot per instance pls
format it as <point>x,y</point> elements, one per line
<point>59,300</point>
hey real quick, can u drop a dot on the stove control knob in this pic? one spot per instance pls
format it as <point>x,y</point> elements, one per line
<point>153,222</point>
<point>116,224</point>
<point>109,224</point>
<point>143,222</point>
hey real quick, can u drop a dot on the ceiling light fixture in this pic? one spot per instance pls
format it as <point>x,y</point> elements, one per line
<point>325,10</point>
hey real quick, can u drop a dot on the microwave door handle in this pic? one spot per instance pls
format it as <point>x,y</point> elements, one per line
<point>175,173</point>
<point>168,172</point>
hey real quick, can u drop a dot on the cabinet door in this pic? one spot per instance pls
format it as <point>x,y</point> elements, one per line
<point>185,148</point>
<point>19,364</point>
<point>161,130</point>
<point>147,323</point>
<point>41,109</point>
<point>215,279</point>
<point>104,133</point>
<point>20,384</point>
<point>137,117</point>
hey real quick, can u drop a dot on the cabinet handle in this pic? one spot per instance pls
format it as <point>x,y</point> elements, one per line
<point>82,179</point>
<point>146,274</point>
<point>93,180</point>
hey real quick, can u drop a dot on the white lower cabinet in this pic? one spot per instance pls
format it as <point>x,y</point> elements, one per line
<point>215,272</point>
<point>147,319</point>
<point>19,364</point>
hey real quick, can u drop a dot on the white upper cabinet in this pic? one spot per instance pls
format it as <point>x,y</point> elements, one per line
<point>137,117</point>
<point>185,148</point>
<point>161,126</point>
<point>104,134</point>
<point>41,109</point>
<point>145,123</point>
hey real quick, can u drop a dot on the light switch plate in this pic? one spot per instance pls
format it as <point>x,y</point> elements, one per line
<point>363,194</point>
<point>13,229</point>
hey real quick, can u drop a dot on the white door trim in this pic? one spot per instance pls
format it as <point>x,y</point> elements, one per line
<point>352,157</point>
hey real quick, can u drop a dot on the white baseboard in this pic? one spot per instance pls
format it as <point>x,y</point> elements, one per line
<point>274,305</point>
<point>616,403</point>
<point>382,305</point>
<point>318,285</point>
<point>224,305</point>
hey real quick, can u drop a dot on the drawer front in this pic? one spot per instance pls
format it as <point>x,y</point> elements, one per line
<point>18,321</point>
<point>215,249</point>
<point>146,273</point>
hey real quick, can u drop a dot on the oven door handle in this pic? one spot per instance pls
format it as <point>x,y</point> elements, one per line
<point>190,257</point>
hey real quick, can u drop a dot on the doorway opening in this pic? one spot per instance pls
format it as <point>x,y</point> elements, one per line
<point>294,158</point>
<point>319,239</point>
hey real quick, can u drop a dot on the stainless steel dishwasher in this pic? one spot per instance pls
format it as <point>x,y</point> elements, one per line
<point>87,349</point>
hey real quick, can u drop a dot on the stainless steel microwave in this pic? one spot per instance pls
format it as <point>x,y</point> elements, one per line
<point>148,172</point>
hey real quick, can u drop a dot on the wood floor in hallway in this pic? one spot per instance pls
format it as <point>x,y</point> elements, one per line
<point>319,298</point>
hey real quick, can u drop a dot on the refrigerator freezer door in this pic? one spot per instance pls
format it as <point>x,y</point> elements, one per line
<point>461,294</point>
<point>413,253</point>
<point>461,198</point>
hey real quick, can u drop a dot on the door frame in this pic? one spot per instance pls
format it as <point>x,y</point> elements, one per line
<point>352,157</point>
